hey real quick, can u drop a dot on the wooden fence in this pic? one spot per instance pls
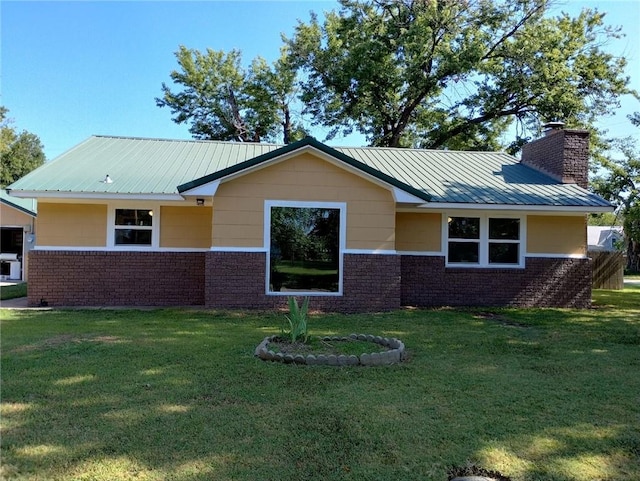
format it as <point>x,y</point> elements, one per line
<point>608,269</point>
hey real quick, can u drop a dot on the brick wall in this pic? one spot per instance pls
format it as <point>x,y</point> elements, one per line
<point>545,282</point>
<point>70,278</point>
<point>233,280</point>
<point>236,280</point>
<point>563,154</point>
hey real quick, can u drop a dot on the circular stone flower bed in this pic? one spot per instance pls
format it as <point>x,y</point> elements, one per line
<point>392,352</point>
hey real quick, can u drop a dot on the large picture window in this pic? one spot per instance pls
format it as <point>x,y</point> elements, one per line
<point>304,249</point>
<point>133,227</point>
<point>484,241</point>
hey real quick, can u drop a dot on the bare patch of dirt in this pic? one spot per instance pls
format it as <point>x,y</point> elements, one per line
<point>502,320</point>
<point>473,470</point>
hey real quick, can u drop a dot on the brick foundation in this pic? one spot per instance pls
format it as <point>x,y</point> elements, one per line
<point>545,282</point>
<point>70,278</point>
<point>236,280</point>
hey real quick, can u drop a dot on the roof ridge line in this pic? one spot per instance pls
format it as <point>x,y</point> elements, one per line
<point>164,139</point>
<point>418,149</point>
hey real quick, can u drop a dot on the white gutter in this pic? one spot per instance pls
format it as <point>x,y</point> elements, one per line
<point>520,207</point>
<point>35,194</point>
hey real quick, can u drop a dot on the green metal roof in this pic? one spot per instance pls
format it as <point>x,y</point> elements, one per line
<point>28,206</point>
<point>140,166</point>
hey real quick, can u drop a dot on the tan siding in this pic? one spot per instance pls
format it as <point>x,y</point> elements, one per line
<point>565,235</point>
<point>13,217</point>
<point>185,226</point>
<point>238,217</point>
<point>71,225</point>
<point>418,232</point>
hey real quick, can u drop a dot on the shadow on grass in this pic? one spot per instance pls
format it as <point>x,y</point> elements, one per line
<point>173,394</point>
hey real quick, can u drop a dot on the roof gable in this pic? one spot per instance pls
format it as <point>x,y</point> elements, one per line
<point>26,206</point>
<point>308,143</point>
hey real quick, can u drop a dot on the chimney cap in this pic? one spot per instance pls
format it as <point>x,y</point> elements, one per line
<point>555,125</point>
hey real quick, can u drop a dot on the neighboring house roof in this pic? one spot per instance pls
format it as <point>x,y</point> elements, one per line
<point>156,167</point>
<point>603,237</point>
<point>28,206</point>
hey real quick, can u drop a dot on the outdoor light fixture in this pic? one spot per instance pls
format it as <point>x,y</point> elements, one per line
<point>200,201</point>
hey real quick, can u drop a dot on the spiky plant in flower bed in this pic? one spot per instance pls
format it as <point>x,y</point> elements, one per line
<point>297,319</point>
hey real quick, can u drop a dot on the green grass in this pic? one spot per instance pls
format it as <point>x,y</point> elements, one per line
<point>115,395</point>
<point>318,345</point>
<point>12,292</point>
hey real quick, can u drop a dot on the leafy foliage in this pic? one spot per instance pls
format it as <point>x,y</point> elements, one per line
<point>432,74</point>
<point>454,74</point>
<point>619,182</point>
<point>605,219</point>
<point>297,320</point>
<point>306,233</point>
<point>223,101</point>
<point>20,153</point>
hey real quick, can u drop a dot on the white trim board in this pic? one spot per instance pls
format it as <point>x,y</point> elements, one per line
<point>114,249</point>
<point>555,209</point>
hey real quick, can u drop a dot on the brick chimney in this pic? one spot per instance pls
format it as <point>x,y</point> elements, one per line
<point>561,153</point>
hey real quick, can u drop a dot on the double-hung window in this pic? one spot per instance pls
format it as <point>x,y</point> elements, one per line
<point>484,241</point>
<point>504,241</point>
<point>133,227</point>
<point>464,240</point>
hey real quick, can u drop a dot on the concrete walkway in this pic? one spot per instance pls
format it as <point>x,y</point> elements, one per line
<point>17,303</point>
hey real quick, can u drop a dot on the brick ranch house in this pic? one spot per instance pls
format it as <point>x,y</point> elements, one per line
<point>131,221</point>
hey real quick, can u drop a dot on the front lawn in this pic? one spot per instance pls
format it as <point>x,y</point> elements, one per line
<point>13,291</point>
<point>177,395</point>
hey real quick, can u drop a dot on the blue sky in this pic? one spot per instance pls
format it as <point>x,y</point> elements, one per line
<point>74,69</point>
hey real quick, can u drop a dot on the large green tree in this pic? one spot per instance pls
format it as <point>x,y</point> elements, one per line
<point>618,180</point>
<point>454,73</point>
<point>20,152</point>
<point>222,100</point>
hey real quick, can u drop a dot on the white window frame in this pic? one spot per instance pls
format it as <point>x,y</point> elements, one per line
<point>341,206</point>
<point>111,226</point>
<point>484,241</point>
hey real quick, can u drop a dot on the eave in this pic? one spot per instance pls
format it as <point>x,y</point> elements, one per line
<point>35,194</point>
<point>582,209</point>
<point>8,203</point>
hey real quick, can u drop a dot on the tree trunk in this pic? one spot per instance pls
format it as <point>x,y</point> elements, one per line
<point>633,256</point>
<point>286,125</point>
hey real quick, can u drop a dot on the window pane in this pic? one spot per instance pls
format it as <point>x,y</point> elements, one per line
<point>139,217</point>
<point>305,249</point>
<point>503,253</point>
<point>133,237</point>
<point>464,228</point>
<point>504,229</point>
<point>464,252</point>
